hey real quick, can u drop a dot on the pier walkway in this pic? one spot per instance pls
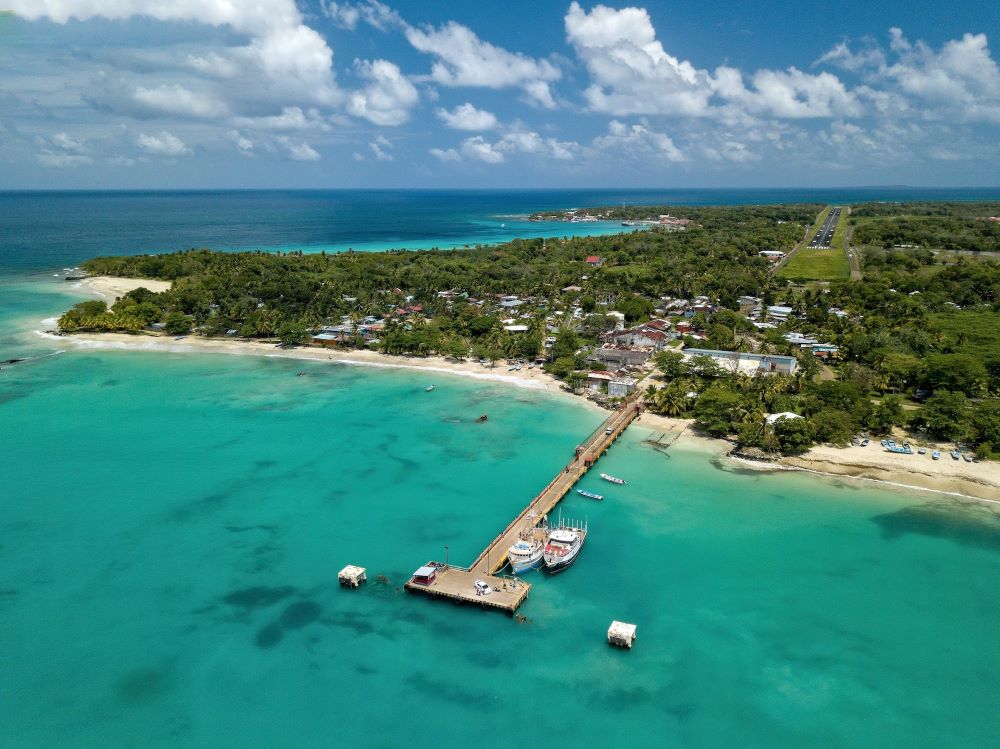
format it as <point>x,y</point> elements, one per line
<point>458,583</point>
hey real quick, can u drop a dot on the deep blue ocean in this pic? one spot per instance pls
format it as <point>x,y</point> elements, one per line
<point>172,524</point>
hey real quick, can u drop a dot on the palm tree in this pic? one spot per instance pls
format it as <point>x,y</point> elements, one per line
<point>672,401</point>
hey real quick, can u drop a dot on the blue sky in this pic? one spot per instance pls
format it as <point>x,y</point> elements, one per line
<point>274,93</point>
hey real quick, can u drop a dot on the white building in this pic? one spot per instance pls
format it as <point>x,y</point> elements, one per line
<point>621,388</point>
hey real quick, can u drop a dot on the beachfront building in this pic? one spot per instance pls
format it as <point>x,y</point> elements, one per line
<point>621,387</point>
<point>599,381</point>
<point>619,357</point>
<point>746,362</point>
<point>641,337</point>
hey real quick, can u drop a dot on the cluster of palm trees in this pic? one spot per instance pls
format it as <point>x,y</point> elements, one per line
<point>759,393</point>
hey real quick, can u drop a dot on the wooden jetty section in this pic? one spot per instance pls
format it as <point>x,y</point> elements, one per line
<point>460,585</point>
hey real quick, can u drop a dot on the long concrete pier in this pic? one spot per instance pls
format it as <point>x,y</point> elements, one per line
<point>457,583</point>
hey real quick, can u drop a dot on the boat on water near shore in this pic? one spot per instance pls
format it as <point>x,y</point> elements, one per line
<point>429,388</point>
<point>563,547</point>
<point>612,479</point>
<point>591,495</point>
<point>526,554</point>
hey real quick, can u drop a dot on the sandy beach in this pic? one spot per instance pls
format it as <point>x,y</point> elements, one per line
<point>110,288</point>
<point>980,480</point>
<point>974,480</point>
<point>528,378</point>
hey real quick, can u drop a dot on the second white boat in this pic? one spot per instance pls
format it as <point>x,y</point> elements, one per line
<point>525,555</point>
<point>563,547</point>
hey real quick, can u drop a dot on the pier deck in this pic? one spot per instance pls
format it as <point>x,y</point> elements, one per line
<point>458,584</point>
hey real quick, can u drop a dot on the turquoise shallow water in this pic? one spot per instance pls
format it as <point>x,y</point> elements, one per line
<point>171,528</point>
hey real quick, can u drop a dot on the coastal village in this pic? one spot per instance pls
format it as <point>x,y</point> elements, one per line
<point>623,352</point>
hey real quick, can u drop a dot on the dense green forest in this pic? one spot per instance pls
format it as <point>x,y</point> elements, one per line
<point>718,259</point>
<point>944,226</point>
<point>918,336</point>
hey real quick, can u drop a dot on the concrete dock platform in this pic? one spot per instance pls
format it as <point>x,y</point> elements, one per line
<point>458,584</point>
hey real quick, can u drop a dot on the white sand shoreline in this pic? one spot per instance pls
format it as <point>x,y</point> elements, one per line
<point>109,288</point>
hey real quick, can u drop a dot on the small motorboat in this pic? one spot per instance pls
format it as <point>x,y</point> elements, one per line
<point>590,495</point>
<point>483,418</point>
<point>429,388</point>
<point>864,442</point>
<point>966,457</point>
<point>612,479</point>
<point>954,454</point>
<point>936,455</point>
<point>922,450</point>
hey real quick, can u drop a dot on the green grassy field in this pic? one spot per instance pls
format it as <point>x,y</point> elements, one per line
<point>820,265</point>
<point>817,265</point>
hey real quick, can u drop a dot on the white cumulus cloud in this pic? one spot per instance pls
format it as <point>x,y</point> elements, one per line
<point>381,149</point>
<point>290,118</point>
<point>178,100</point>
<point>960,81</point>
<point>445,154</point>
<point>163,143</point>
<point>632,73</point>
<point>281,44</point>
<point>467,117</point>
<point>463,59</point>
<point>638,140</point>
<point>388,97</point>
<point>298,150</point>
<point>479,149</point>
